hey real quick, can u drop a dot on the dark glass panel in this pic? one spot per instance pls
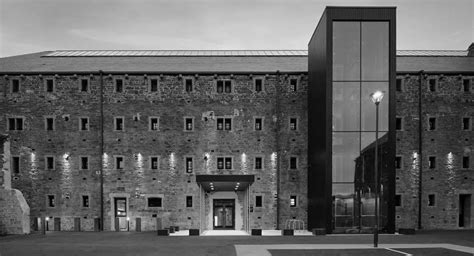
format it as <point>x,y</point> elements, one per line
<point>368,107</point>
<point>345,151</point>
<point>374,46</point>
<point>346,106</point>
<point>346,51</point>
<point>343,196</point>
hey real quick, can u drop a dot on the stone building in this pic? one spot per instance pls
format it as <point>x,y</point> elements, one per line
<point>219,139</point>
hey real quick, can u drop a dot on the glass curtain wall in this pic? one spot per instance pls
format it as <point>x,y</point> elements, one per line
<point>360,67</point>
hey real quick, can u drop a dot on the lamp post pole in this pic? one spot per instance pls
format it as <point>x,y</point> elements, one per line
<point>376,170</point>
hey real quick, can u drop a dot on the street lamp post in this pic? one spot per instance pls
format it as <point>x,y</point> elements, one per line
<point>376,97</point>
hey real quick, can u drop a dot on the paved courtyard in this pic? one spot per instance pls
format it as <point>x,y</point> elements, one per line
<point>432,243</point>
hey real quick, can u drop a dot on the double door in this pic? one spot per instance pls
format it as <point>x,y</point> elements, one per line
<point>224,214</point>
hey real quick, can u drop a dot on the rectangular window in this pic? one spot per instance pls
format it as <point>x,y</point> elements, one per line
<point>224,86</point>
<point>84,124</point>
<point>49,123</point>
<point>466,85</point>
<point>227,86</point>
<point>16,164</point>
<point>51,201</point>
<point>15,86</point>
<point>84,85</point>
<point>432,162</point>
<point>258,201</point>
<point>398,200</point>
<point>293,201</point>
<point>432,82</point>
<point>188,124</point>
<point>258,163</point>
<point>465,162</point>
<point>294,84</point>
<point>15,124</point>
<point>293,162</point>
<point>398,162</point>
<point>466,123</point>
<point>118,85</point>
<point>84,163</point>
<point>224,163</point>
<point>432,123</point>
<point>293,124</point>
<point>189,201</point>
<point>398,124</point>
<point>258,84</point>
<point>399,85</point>
<point>153,85</point>
<point>119,124</point>
<point>49,163</point>
<point>224,124</point>
<point>189,164</point>
<point>188,84</point>
<point>154,123</point>
<point>154,163</point>
<point>154,201</point>
<point>49,85</point>
<point>119,164</point>
<point>431,200</point>
<point>258,124</point>
<point>85,201</point>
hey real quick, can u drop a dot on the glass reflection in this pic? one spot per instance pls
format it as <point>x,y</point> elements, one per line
<point>368,107</point>
<point>374,47</point>
<point>346,51</point>
<point>346,106</point>
<point>345,150</point>
<point>343,201</point>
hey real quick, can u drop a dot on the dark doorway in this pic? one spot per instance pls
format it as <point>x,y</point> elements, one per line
<point>120,211</point>
<point>224,214</point>
<point>465,211</point>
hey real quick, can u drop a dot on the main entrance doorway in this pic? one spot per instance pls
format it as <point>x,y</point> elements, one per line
<point>224,213</point>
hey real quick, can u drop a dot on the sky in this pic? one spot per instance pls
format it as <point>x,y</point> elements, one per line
<point>28,26</point>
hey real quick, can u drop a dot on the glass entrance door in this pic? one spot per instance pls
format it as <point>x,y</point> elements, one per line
<point>224,211</point>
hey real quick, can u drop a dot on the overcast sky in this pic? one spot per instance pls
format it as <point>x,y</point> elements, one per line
<point>38,25</point>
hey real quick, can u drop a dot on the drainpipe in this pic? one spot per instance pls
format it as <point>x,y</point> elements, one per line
<point>420,148</point>
<point>101,151</point>
<point>278,156</point>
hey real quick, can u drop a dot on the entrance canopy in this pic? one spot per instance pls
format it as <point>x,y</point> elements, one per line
<point>224,182</point>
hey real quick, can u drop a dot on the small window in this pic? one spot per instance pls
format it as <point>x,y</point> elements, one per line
<point>258,163</point>
<point>293,162</point>
<point>224,163</point>
<point>398,200</point>
<point>189,164</point>
<point>49,85</point>
<point>466,123</point>
<point>15,86</point>
<point>154,163</point>
<point>188,124</point>
<point>154,124</point>
<point>119,124</point>
<point>15,124</point>
<point>188,84</point>
<point>466,85</point>
<point>293,201</point>
<point>153,85</point>
<point>431,200</point>
<point>398,124</point>
<point>224,86</point>
<point>465,162</point>
<point>51,201</point>
<point>118,85</point>
<point>399,85</point>
<point>258,84</point>
<point>84,85</point>
<point>85,201</point>
<point>294,84</point>
<point>119,164</point>
<point>16,164</point>
<point>189,201</point>
<point>432,162</point>
<point>293,124</point>
<point>84,123</point>
<point>432,123</point>
<point>258,201</point>
<point>398,162</point>
<point>154,202</point>
<point>84,163</point>
<point>432,83</point>
<point>224,124</point>
<point>49,123</point>
<point>49,163</point>
<point>258,124</point>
